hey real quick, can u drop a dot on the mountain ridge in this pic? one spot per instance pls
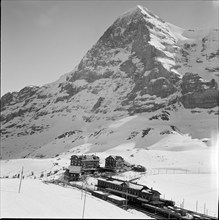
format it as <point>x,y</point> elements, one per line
<point>141,64</point>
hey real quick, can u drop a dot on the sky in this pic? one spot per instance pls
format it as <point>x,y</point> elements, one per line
<point>42,40</point>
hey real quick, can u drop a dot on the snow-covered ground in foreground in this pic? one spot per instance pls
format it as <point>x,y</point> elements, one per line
<point>182,173</point>
<point>39,200</point>
<point>190,187</point>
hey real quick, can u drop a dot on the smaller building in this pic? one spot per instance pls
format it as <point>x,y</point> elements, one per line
<point>74,172</point>
<point>114,163</point>
<point>139,168</point>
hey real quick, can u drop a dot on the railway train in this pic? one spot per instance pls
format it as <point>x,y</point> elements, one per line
<point>146,199</point>
<point>165,212</point>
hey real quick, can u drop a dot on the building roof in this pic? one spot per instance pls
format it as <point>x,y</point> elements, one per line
<point>101,179</point>
<point>115,157</point>
<point>100,192</point>
<point>131,185</point>
<point>128,184</point>
<point>74,169</point>
<point>90,158</point>
<point>116,182</point>
<point>116,197</point>
<point>87,157</point>
<point>155,191</point>
<point>78,156</point>
<point>135,186</point>
<point>121,192</point>
<point>148,191</point>
<point>143,200</point>
<point>157,202</point>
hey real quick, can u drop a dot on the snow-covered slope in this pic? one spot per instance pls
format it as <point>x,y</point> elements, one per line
<point>138,68</point>
<point>173,152</point>
<point>184,163</point>
<point>60,202</point>
<point>193,191</point>
<point>184,170</point>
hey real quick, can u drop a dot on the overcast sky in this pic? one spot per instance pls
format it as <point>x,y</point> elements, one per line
<point>42,40</point>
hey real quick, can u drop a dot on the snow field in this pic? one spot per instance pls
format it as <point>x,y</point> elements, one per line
<point>121,122</point>
<point>39,200</point>
<point>202,188</point>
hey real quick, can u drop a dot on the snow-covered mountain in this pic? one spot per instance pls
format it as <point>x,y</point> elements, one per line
<point>144,81</point>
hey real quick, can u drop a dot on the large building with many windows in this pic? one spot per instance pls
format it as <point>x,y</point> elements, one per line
<point>90,163</point>
<point>133,192</point>
<point>114,163</point>
<point>86,162</point>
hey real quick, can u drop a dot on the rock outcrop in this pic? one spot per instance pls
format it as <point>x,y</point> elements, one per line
<point>199,94</point>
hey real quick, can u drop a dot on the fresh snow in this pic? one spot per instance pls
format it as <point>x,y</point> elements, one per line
<point>177,32</point>
<point>116,197</point>
<point>80,83</point>
<point>188,187</point>
<point>177,142</point>
<point>167,63</point>
<point>184,170</point>
<point>121,122</point>
<point>39,200</point>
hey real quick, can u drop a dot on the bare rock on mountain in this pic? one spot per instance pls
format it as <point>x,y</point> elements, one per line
<point>199,94</point>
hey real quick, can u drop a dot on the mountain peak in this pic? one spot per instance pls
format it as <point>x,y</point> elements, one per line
<point>139,11</point>
<point>142,9</point>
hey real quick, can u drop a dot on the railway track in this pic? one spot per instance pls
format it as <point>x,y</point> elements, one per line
<point>157,216</point>
<point>152,215</point>
<point>203,216</point>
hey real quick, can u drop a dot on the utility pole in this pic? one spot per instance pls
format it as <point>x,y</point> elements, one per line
<point>84,202</point>
<point>84,179</point>
<point>82,190</point>
<point>21,177</point>
<point>126,199</point>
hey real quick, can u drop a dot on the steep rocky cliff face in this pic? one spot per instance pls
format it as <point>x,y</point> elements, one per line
<point>140,64</point>
<point>198,93</point>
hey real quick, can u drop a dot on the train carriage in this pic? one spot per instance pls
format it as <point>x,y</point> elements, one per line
<point>100,194</point>
<point>117,200</point>
<point>164,212</point>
